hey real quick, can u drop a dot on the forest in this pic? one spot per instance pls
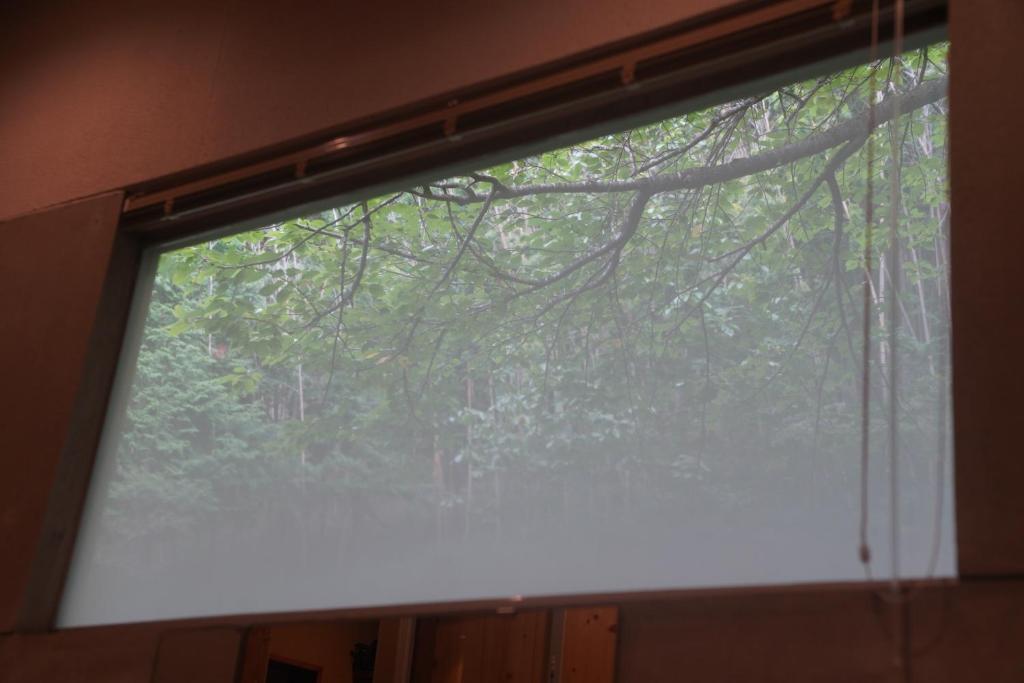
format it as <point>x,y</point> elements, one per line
<point>665,323</point>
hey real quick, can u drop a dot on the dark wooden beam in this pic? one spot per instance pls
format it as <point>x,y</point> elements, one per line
<point>987,146</point>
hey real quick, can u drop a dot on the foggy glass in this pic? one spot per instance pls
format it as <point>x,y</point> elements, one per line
<point>631,364</point>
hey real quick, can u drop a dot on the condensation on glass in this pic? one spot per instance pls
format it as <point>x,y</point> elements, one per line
<point>630,364</point>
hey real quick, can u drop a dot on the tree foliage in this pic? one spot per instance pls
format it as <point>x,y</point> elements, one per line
<point>675,308</point>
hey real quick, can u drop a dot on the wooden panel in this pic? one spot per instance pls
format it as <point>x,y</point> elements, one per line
<point>122,654</point>
<point>969,633</point>
<point>54,269</point>
<point>257,651</point>
<point>481,649</point>
<point>813,636</point>
<point>588,645</point>
<point>987,243</point>
<point>459,648</point>
<point>526,647</point>
<point>964,633</point>
<point>395,642</point>
<point>198,656</point>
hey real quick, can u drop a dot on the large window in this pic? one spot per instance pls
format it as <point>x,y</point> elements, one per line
<point>633,363</point>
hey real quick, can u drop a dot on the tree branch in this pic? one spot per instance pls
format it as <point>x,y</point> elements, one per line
<point>694,178</point>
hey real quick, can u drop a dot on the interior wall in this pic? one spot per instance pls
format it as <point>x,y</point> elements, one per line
<point>51,281</point>
<point>987,144</point>
<point>958,634</point>
<point>106,94</point>
<point>102,94</point>
<point>138,653</point>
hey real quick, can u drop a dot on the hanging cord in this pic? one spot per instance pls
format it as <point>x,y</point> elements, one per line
<point>898,596</point>
<point>942,386</point>
<point>894,276</point>
<point>902,612</point>
<point>895,596</point>
<point>864,550</point>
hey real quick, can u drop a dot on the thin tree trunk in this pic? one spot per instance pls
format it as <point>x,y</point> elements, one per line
<point>496,467</point>
<point>302,397</point>
<point>302,408</point>
<point>469,459</point>
<point>879,298</point>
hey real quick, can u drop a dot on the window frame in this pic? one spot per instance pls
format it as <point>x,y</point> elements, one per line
<point>705,61</point>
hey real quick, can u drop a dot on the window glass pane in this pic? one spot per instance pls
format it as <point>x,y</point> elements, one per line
<point>629,364</point>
